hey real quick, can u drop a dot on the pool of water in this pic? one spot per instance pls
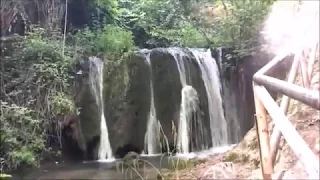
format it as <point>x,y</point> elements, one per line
<point>147,168</point>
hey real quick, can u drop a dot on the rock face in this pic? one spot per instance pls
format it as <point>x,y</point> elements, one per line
<point>89,117</point>
<point>127,125</point>
<point>167,90</point>
<point>237,96</point>
<point>237,90</point>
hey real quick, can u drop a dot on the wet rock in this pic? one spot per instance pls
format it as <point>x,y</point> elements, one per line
<point>89,110</point>
<point>127,113</point>
<point>237,91</point>
<point>122,151</point>
<point>130,157</point>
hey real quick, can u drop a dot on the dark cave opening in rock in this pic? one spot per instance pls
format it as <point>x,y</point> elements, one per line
<point>91,146</point>
<point>124,150</point>
<point>70,147</point>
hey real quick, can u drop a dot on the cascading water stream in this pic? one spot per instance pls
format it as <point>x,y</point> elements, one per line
<point>152,138</point>
<point>188,106</point>
<point>96,84</point>
<point>210,76</point>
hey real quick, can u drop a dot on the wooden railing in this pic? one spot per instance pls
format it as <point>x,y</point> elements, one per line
<point>264,103</point>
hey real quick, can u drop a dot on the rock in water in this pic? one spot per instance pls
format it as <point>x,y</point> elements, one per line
<point>131,155</point>
<point>131,158</point>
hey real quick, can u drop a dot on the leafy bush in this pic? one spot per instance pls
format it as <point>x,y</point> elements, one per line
<point>22,136</point>
<point>235,24</point>
<point>115,40</point>
<point>36,89</point>
<point>48,62</point>
<point>38,85</point>
<point>84,41</point>
<point>185,35</point>
<point>111,39</point>
<point>62,104</point>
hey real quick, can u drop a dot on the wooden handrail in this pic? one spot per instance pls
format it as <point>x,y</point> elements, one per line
<point>306,96</point>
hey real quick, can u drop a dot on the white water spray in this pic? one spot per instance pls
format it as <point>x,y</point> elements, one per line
<point>189,105</point>
<point>96,84</point>
<point>210,76</point>
<point>292,27</point>
<point>152,138</point>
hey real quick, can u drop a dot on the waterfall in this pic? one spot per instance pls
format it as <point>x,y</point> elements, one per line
<point>200,109</point>
<point>210,76</point>
<point>152,138</point>
<point>189,103</point>
<point>96,85</point>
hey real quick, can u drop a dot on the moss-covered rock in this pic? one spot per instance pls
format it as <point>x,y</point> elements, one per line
<point>127,111</point>
<point>89,113</point>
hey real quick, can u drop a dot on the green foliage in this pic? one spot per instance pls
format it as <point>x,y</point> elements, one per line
<point>5,176</point>
<point>109,5</point>
<point>36,85</point>
<point>62,104</point>
<point>114,40</point>
<point>22,136</point>
<point>186,35</point>
<point>231,24</point>
<point>165,21</point>
<point>84,41</point>
<point>238,26</point>
<point>49,64</point>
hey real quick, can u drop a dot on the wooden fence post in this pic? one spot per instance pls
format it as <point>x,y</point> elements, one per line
<point>312,58</point>
<point>294,140</point>
<point>304,73</point>
<point>263,136</point>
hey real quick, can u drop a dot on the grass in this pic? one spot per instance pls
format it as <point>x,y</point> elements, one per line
<point>236,157</point>
<point>176,168</point>
<point>133,169</point>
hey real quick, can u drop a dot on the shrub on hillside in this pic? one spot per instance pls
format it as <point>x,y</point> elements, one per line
<point>36,82</point>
